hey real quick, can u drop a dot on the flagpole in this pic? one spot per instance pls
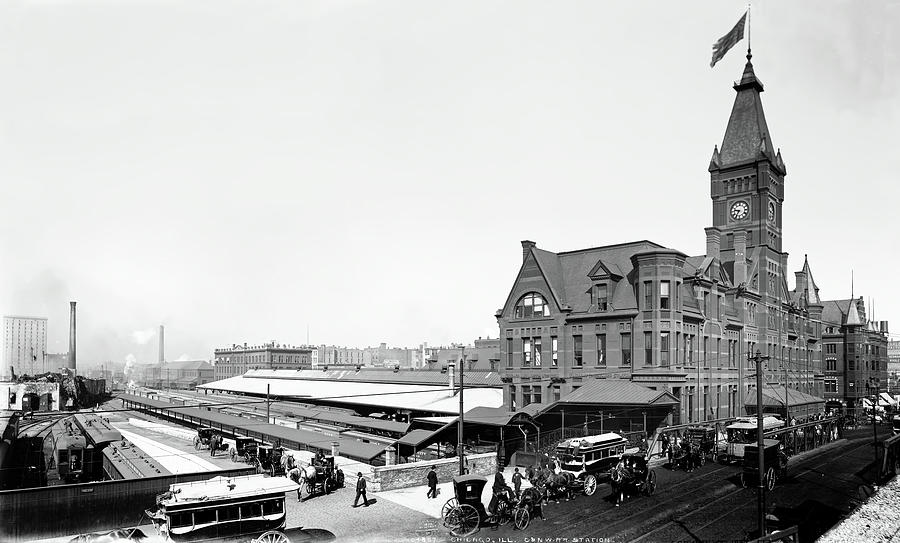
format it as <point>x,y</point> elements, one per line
<point>748,29</point>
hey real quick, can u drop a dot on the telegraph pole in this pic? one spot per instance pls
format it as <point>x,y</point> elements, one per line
<point>760,443</point>
<point>875,424</point>
<point>459,434</point>
<point>268,389</point>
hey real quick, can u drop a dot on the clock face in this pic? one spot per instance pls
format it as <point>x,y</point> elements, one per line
<point>771,211</point>
<point>739,210</point>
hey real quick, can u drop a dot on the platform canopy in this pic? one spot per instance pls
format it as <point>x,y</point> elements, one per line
<point>798,403</point>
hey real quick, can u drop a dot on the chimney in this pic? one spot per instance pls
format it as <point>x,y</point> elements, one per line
<point>713,243</point>
<point>162,343</point>
<point>740,257</point>
<point>450,381</point>
<point>71,360</point>
<point>526,248</point>
<point>802,283</point>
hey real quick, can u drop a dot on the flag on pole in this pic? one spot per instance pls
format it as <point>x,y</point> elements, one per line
<point>728,41</point>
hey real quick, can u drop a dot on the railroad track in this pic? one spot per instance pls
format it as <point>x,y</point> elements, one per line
<point>712,512</point>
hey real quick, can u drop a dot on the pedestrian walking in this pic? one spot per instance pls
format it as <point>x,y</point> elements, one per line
<point>529,473</point>
<point>517,482</point>
<point>432,484</point>
<point>360,491</point>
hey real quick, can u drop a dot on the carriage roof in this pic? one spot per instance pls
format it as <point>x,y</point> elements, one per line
<point>751,424</point>
<point>219,488</point>
<point>609,438</point>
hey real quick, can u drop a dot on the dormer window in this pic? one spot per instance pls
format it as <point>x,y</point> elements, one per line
<point>532,305</point>
<point>601,297</point>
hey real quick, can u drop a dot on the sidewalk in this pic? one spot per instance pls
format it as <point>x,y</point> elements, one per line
<point>415,497</point>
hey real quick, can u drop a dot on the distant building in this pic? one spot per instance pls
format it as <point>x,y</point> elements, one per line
<point>483,355</point>
<point>24,346</point>
<point>237,359</point>
<point>893,349</point>
<point>181,374</point>
<point>331,356</point>
<point>855,352</point>
<point>391,357</point>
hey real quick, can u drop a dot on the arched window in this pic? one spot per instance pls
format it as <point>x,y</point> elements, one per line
<point>532,305</point>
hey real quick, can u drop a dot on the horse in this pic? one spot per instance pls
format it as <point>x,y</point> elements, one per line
<point>560,483</point>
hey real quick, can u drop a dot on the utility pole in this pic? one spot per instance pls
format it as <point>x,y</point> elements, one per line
<point>459,434</point>
<point>760,443</point>
<point>268,390</point>
<point>875,424</point>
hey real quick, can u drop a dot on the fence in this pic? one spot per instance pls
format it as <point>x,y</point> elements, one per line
<point>87,507</point>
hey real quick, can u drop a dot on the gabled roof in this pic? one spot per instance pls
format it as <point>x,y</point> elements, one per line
<point>550,267</point>
<point>747,136</point>
<point>774,395</point>
<point>187,365</point>
<point>617,392</point>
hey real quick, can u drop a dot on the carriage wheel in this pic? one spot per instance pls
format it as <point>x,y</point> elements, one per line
<point>445,510</point>
<point>590,485</point>
<point>272,536</point>
<point>329,485</point>
<point>463,520</point>
<point>743,480</point>
<point>522,518</point>
<point>307,487</point>
<point>650,485</point>
<point>504,515</point>
<point>272,471</point>
<point>770,478</point>
<point>340,478</point>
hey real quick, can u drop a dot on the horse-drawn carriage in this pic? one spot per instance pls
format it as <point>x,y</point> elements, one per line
<point>269,459</point>
<point>464,513</point>
<point>204,437</point>
<point>244,449</point>
<point>774,464</point>
<point>703,439</point>
<point>582,462</point>
<point>685,454</point>
<point>320,477</point>
<point>631,476</point>
<point>524,508</point>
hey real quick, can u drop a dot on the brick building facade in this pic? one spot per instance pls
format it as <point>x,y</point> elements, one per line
<point>672,322</point>
<point>855,352</point>
<point>237,359</point>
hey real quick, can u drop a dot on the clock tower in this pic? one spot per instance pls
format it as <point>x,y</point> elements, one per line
<point>747,190</point>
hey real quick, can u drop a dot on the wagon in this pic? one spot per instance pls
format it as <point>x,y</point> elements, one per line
<point>464,513</point>
<point>774,464</point>
<point>321,478</point>
<point>704,439</point>
<point>202,439</point>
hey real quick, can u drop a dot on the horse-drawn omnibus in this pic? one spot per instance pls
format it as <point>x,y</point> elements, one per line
<point>774,464</point>
<point>589,459</point>
<point>247,509</point>
<point>742,433</point>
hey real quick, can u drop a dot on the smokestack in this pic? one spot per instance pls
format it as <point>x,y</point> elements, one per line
<point>162,343</point>
<point>71,336</point>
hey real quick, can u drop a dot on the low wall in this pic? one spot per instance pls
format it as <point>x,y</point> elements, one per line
<point>415,473</point>
<point>87,507</point>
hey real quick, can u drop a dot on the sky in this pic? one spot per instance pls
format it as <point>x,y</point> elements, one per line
<point>245,171</point>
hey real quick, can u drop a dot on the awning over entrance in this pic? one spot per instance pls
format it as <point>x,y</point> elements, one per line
<point>799,404</point>
<point>618,392</point>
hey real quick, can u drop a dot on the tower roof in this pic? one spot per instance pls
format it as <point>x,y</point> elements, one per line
<point>853,315</point>
<point>747,135</point>
<point>813,289</point>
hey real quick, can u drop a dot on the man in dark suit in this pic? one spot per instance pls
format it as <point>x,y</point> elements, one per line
<point>360,491</point>
<point>432,483</point>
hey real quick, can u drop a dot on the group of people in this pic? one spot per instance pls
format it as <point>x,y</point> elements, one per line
<point>502,493</point>
<point>215,444</point>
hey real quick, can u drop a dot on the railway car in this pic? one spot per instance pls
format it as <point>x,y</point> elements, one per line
<point>98,433</point>
<point>71,453</point>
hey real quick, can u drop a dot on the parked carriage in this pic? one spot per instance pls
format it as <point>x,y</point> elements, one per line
<point>464,513</point>
<point>269,460</point>
<point>524,508</point>
<point>245,449</point>
<point>774,464</point>
<point>204,437</point>
<point>704,439</point>
<point>630,477</point>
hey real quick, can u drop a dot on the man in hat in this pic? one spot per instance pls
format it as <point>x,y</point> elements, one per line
<point>360,490</point>
<point>432,483</point>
